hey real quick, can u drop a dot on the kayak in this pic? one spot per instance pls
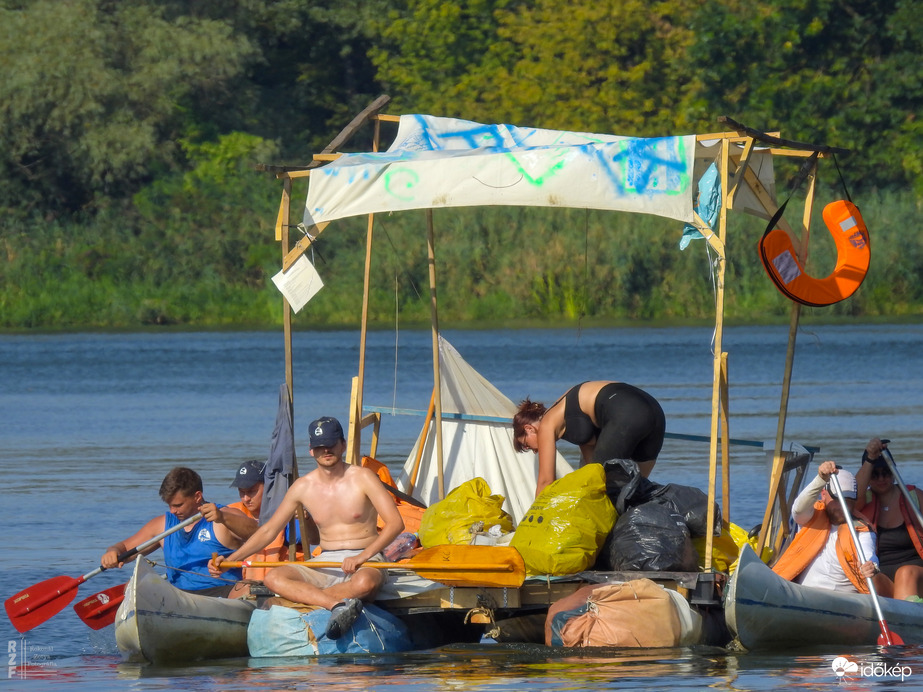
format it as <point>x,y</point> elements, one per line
<point>158,623</point>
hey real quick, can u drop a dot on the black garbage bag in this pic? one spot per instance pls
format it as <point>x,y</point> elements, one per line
<point>627,488</point>
<point>691,504</point>
<point>648,538</point>
<point>625,485</point>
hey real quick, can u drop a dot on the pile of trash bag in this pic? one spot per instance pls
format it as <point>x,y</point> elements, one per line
<point>656,523</point>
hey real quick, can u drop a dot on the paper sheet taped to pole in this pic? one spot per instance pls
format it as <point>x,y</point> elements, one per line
<point>299,284</point>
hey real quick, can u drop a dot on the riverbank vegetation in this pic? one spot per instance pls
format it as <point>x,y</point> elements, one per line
<point>130,134</point>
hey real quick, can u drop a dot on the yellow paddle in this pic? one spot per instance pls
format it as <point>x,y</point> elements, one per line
<point>452,565</point>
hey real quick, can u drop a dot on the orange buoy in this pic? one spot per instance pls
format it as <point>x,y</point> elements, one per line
<point>853,254</point>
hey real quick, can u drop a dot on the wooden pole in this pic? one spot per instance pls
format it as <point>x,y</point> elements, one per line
<point>725,444</point>
<point>355,414</point>
<point>424,433</point>
<point>282,230</point>
<point>778,456</point>
<point>437,380</point>
<point>719,385</point>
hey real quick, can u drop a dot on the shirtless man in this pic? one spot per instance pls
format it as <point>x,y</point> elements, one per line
<point>345,502</point>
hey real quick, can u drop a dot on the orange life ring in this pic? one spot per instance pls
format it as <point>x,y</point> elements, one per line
<point>853,254</point>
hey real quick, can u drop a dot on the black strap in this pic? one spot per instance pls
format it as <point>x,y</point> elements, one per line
<point>842,181</point>
<point>409,499</point>
<point>793,187</point>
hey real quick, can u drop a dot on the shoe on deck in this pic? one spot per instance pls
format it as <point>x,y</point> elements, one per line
<point>342,617</point>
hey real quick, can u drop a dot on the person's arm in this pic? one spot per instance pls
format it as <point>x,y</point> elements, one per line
<point>264,535</point>
<point>803,506</point>
<point>867,542</point>
<point>232,527</point>
<point>863,477</point>
<point>154,527</point>
<point>547,447</point>
<point>870,454</point>
<point>384,504</point>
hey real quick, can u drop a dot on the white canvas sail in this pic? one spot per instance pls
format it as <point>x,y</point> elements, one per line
<point>475,448</point>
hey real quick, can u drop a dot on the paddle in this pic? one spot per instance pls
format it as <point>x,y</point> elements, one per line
<point>886,638</point>
<point>453,565</point>
<point>31,607</point>
<point>889,460</point>
<point>99,610</point>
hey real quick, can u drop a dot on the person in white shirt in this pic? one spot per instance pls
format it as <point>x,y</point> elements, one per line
<point>822,554</point>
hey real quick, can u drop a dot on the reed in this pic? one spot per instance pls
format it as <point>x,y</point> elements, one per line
<point>127,269</point>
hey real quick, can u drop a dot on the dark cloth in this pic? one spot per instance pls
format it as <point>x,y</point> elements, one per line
<point>896,549</point>
<point>281,463</point>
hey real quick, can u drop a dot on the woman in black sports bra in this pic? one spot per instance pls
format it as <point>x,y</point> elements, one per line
<point>607,420</point>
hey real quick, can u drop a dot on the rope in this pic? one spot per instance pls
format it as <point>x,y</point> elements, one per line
<point>154,563</point>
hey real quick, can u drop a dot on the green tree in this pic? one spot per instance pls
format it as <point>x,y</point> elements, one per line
<point>836,72</point>
<point>615,65</point>
<point>96,93</point>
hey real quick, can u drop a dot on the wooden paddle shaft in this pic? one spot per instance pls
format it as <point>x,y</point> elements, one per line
<point>411,565</point>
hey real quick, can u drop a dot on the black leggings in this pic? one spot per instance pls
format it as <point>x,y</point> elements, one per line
<point>631,422</point>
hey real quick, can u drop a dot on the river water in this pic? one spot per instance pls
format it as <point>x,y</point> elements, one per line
<point>90,423</point>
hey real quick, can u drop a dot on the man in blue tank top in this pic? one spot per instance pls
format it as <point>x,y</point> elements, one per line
<point>186,552</point>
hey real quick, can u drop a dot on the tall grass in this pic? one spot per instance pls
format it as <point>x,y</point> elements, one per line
<point>497,264</point>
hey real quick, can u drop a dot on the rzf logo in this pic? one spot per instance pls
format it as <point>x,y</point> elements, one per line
<point>12,650</point>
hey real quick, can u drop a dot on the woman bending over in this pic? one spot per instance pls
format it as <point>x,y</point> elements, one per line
<point>607,420</point>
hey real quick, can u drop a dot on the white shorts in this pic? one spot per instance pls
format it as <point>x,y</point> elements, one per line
<point>323,577</point>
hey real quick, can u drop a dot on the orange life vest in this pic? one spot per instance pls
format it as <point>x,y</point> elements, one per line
<point>853,254</point>
<point>411,514</point>
<point>810,541</point>
<point>276,551</point>
<point>873,508</point>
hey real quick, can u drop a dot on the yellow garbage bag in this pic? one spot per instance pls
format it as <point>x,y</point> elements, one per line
<point>567,524</point>
<point>449,521</point>
<point>725,549</point>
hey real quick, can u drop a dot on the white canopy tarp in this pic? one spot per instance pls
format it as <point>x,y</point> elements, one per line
<point>472,448</point>
<point>445,162</point>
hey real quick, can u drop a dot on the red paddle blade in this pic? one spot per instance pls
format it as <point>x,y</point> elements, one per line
<point>31,607</point>
<point>887,637</point>
<point>99,610</point>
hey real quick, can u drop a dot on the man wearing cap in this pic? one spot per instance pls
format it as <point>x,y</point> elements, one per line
<point>345,502</point>
<point>822,553</point>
